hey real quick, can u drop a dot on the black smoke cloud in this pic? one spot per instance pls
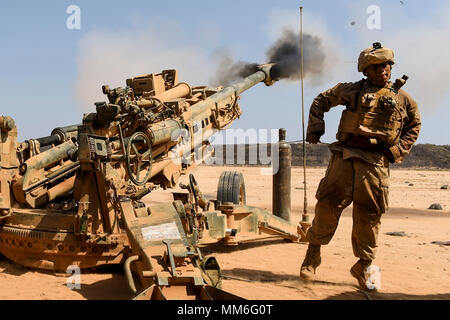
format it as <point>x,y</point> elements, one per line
<point>285,53</point>
<point>229,71</point>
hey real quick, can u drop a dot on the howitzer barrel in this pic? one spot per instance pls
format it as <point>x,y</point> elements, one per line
<point>263,74</point>
<point>224,100</point>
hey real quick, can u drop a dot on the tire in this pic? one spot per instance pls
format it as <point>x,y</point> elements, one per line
<point>231,188</point>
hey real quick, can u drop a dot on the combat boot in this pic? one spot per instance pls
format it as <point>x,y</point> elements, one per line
<point>311,262</point>
<point>359,272</point>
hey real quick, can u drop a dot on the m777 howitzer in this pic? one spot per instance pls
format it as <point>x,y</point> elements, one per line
<point>75,197</point>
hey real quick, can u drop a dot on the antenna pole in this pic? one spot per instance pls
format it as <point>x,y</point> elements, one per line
<point>305,217</point>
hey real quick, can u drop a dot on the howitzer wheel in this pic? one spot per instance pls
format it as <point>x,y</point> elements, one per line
<point>139,158</point>
<point>231,188</point>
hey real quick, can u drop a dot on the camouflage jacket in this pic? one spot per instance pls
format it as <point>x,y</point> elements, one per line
<point>347,94</point>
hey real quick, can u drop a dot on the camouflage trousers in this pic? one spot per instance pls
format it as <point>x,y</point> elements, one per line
<point>346,181</point>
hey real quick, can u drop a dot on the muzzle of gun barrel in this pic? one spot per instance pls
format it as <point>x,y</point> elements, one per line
<point>267,69</point>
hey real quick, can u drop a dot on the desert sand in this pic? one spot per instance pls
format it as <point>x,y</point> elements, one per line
<point>267,267</point>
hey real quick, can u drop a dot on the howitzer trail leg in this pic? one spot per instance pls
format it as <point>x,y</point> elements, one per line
<point>168,266</point>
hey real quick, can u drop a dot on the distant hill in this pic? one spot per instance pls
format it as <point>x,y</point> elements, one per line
<point>428,155</point>
<point>421,156</point>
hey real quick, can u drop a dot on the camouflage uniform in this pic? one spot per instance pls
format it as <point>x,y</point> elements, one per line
<point>357,172</point>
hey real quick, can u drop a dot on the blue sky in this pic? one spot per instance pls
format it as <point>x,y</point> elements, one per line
<point>51,75</point>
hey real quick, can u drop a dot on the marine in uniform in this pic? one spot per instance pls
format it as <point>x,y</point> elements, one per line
<point>380,124</point>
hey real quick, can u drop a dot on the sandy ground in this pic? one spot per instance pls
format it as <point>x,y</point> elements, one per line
<point>267,267</point>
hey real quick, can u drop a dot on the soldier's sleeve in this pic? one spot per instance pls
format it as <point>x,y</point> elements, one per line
<point>410,132</point>
<point>323,103</point>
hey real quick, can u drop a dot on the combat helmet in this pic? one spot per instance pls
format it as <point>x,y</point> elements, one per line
<point>375,55</point>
